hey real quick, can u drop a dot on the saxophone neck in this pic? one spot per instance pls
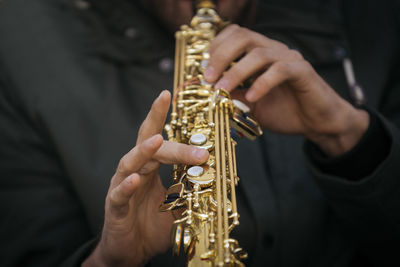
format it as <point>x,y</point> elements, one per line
<point>204,4</point>
<point>205,15</point>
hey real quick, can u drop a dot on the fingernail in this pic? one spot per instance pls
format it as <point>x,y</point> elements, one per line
<point>222,84</point>
<point>209,73</point>
<point>200,153</point>
<point>164,92</point>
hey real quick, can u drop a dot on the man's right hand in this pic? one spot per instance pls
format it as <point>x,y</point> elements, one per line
<point>134,229</point>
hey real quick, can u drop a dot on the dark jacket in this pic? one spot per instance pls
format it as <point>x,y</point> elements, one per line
<point>77,79</point>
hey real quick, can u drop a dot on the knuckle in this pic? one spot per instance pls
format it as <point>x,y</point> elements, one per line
<point>113,197</point>
<point>261,53</point>
<point>280,45</point>
<point>149,167</point>
<point>295,54</point>
<point>284,46</point>
<point>281,67</point>
<point>123,165</point>
<point>306,64</point>
<point>233,27</point>
<point>307,68</point>
<point>239,32</point>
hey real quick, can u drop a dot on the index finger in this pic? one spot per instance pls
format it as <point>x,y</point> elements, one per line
<point>135,159</point>
<point>235,42</point>
<point>222,35</point>
<point>155,120</point>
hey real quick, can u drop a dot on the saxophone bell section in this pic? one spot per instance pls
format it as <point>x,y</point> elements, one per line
<point>204,116</point>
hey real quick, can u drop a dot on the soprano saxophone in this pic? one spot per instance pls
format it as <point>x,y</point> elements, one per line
<point>205,116</point>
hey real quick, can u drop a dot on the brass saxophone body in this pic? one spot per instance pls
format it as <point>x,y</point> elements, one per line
<point>202,116</point>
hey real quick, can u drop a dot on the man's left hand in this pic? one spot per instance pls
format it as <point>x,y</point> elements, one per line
<point>287,95</point>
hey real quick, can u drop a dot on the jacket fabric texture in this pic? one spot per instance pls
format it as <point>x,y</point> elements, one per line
<point>77,79</point>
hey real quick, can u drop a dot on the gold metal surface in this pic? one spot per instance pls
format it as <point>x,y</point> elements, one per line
<point>207,195</point>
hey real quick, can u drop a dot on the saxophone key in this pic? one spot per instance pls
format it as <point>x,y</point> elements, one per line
<point>176,238</point>
<point>187,238</point>
<point>173,197</point>
<point>201,175</point>
<point>198,139</point>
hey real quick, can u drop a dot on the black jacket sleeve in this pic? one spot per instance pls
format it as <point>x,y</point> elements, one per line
<point>359,161</point>
<point>368,200</point>
<point>369,205</point>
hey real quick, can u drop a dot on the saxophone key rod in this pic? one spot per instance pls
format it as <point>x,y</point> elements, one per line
<point>202,115</point>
